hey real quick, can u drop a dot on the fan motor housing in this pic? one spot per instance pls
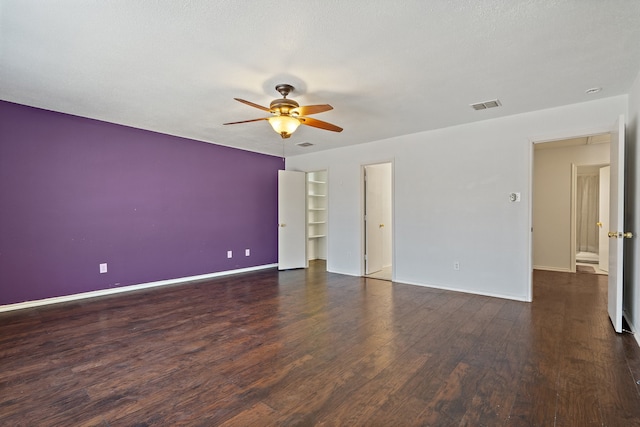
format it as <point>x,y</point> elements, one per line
<point>283,106</point>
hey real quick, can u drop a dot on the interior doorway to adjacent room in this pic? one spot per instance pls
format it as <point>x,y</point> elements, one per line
<point>570,180</point>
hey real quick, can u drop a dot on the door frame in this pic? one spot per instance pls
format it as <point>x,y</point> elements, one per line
<point>553,136</point>
<point>393,216</point>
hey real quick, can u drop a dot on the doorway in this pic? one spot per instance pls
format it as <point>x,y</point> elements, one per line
<point>563,238</point>
<point>378,221</point>
<point>590,218</point>
<point>317,218</point>
<point>616,233</point>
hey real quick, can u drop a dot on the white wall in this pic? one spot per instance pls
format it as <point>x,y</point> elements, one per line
<point>451,190</point>
<point>631,299</point>
<point>552,201</point>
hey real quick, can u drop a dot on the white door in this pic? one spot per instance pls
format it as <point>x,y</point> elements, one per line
<point>603,219</point>
<point>373,220</point>
<point>616,224</point>
<point>292,220</point>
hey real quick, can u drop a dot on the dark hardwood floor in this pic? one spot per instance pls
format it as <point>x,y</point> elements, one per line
<point>306,347</point>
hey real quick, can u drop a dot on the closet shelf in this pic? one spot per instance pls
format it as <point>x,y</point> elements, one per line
<point>317,236</point>
<point>317,222</point>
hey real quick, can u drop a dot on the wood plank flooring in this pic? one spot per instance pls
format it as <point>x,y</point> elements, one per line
<point>306,347</point>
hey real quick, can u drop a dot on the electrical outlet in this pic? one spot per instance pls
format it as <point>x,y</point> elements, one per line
<point>229,254</point>
<point>103,268</point>
<point>456,265</point>
<point>247,252</point>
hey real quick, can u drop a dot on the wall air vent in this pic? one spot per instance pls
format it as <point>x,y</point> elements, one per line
<point>486,104</point>
<point>304,144</point>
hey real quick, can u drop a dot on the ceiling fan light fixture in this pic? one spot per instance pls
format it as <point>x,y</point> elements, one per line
<point>284,125</point>
<point>287,114</point>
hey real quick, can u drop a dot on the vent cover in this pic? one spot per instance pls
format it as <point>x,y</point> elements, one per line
<point>304,144</point>
<point>486,104</point>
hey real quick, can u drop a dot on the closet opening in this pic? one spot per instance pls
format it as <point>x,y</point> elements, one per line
<point>378,221</point>
<point>317,218</point>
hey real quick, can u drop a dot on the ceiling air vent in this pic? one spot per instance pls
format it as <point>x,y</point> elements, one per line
<point>304,144</point>
<point>486,104</point>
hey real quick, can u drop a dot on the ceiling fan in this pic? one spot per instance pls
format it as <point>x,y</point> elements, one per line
<point>287,114</point>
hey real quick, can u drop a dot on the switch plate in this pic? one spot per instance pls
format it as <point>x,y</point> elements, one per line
<point>247,252</point>
<point>103,268</point>
<point>229,254</point>
<point>514,197</point>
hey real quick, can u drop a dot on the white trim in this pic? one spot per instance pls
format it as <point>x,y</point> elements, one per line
<point>634,331</point>
<point>445,288</point>
<point>573,218</point>
<point>343,272</point>
<point>559,269</point>
<point>111,291</point>
<point>569,134</point>
<point>464,291</point>
<point>529,297</point>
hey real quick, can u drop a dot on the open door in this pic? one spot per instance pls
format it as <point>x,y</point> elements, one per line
<point>603,219</point>
<point>378,227</point>
<point>616,234</point>
<point>292,220</point>
<point>372,220</point>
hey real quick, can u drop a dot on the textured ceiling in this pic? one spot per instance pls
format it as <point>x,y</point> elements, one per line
<point>388,67</point>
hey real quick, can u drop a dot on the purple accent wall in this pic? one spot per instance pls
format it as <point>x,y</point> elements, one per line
<point>76,192</point>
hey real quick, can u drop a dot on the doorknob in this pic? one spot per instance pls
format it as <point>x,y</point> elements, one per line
<point>599,224</point>
<point>627,235</point>
<point>612,234</point>
<point>283,225</point>
<point>381,225</point>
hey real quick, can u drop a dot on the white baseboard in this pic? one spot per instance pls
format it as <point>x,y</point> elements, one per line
<point>466,291</point>
<point>634,331</point>
<point>445,288</point>
<point>111,291</point>
<point>559,269</point>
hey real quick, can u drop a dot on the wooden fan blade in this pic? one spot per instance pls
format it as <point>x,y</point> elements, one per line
<point>319,124</point>
<point>246,121</point>
<point>305,110</point>
<point>260,107</point>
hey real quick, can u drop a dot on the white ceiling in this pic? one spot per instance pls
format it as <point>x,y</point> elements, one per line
<point>388,67</point>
